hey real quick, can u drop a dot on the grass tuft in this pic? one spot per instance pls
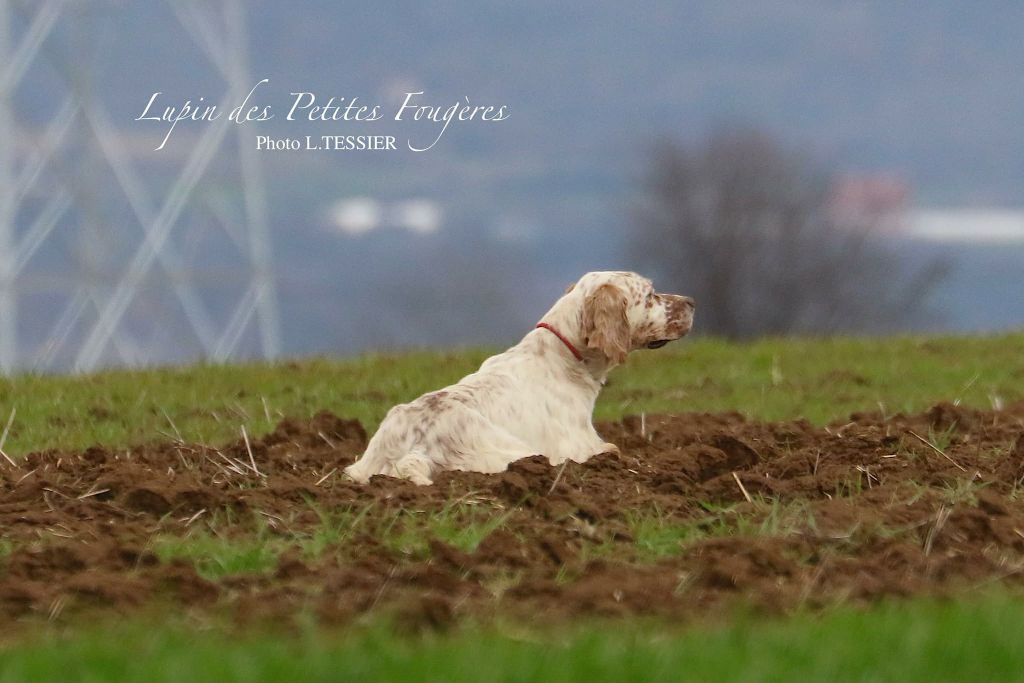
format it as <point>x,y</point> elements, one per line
<point>215,557</point>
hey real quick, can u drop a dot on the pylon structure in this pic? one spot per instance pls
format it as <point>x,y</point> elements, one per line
<point>82,235</point>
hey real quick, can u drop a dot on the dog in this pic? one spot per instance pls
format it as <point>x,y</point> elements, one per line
<point>538,397</point>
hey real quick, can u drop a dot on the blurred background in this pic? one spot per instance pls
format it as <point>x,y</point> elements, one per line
<point>798,167</point>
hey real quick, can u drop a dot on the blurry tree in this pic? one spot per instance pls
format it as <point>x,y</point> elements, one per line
<point>747,228</point>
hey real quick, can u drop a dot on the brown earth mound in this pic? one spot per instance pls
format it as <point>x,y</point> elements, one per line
<point>700,513</point>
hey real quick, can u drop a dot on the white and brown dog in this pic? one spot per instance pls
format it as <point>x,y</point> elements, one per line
<point>538,397</point>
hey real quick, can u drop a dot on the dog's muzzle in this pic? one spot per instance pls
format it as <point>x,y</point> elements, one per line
<point>680,316</point>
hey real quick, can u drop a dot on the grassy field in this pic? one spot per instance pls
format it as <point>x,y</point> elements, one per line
<point>924,641</point>
<point>821,380</point>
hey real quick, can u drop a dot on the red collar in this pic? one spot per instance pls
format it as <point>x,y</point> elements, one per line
<point>568,344</point>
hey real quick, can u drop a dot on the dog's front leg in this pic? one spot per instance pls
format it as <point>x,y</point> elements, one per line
<point>582,450</point>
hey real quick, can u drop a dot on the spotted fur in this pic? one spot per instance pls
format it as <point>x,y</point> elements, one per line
<point>534,399</point>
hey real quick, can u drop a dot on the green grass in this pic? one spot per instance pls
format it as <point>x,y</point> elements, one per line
<point>657,535</point>
<point>459,523</point>
<point>924,641</point>
<point>210,403</point>
<point>215,557</point>
<point>336,528</point>
<point>819,379</point>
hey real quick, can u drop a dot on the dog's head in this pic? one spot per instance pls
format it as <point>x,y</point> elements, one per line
<point>619,312</point>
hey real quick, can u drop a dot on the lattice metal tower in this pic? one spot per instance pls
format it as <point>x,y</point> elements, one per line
<point>124,290</point>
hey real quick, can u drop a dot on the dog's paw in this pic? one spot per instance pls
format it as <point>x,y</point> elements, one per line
<point>414,468</point>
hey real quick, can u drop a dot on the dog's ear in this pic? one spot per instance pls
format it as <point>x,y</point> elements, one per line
<point>605,324</point>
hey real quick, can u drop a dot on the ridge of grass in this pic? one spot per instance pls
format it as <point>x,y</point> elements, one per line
<point>772,379</point>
